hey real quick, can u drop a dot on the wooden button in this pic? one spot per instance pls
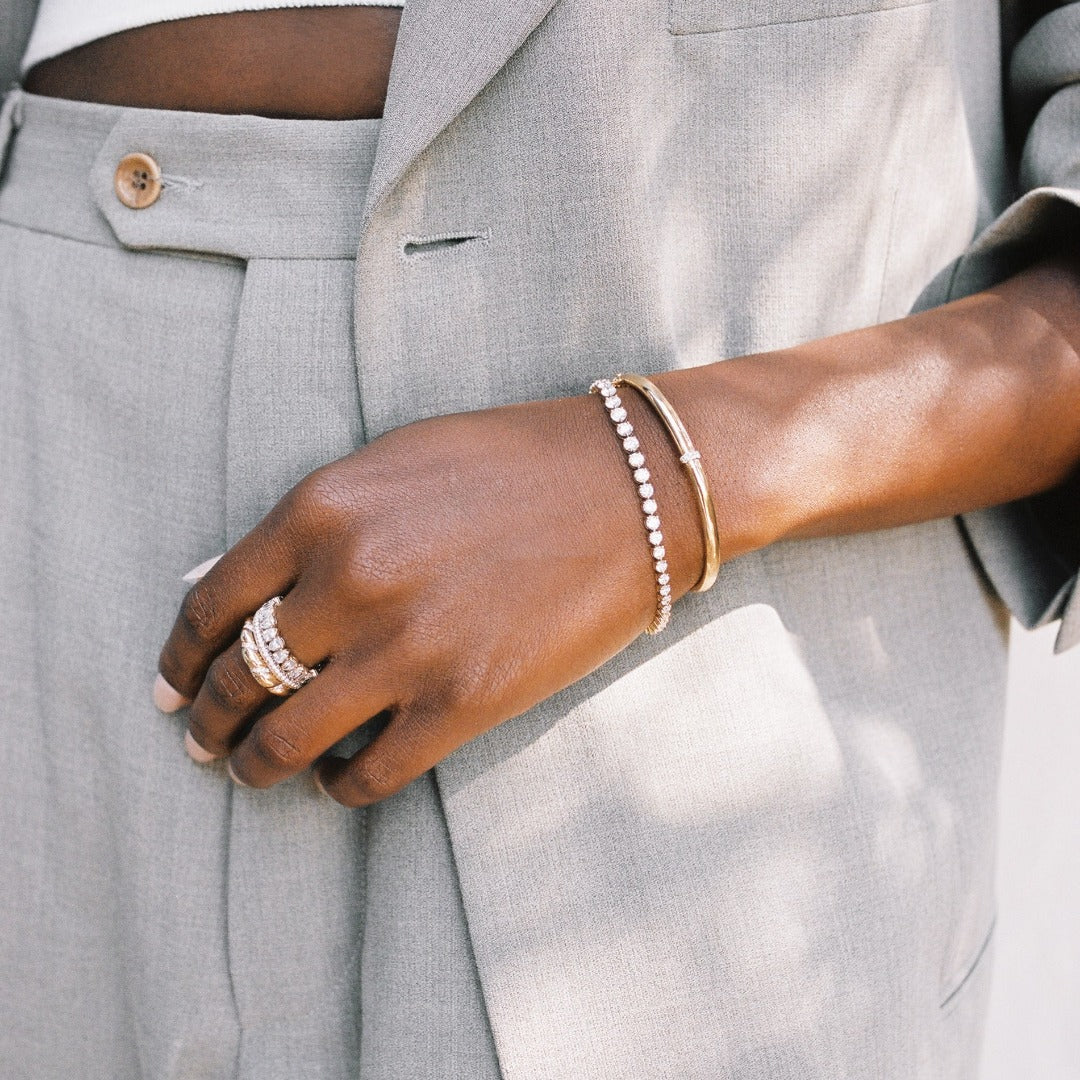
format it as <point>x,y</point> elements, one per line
<point>137,181</point>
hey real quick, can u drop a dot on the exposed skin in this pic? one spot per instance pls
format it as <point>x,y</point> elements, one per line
<point>320,63</point>
<point>457,571</point>
<point>461,569</point>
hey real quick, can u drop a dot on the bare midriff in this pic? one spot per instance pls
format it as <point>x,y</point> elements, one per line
<point>330,63</point>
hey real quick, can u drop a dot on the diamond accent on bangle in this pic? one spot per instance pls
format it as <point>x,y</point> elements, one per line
<point>690,455</point>
<point>658,551</point>
<point>660,566</point>
<point>631,443</point>
<point>665,590</point>
<point>612,402</point>
<point>275,644</point>
<point>625,428</point>
<point>649,506</point>
<point>646,491</point>
<point>641,476</point>
<point>618,415</point>
<point>663,579</point>
<point>605,387</point>
<point>656,538</point>
<point>652,523</point>
<point>636,459</point>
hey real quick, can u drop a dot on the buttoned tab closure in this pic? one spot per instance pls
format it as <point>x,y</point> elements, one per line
<point>137,181</point>
<point>214,185</point>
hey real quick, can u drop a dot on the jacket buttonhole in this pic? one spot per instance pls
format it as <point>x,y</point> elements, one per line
<point>413,247</point>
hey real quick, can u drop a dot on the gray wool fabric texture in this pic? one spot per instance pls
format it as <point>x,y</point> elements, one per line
<point>759,846</point>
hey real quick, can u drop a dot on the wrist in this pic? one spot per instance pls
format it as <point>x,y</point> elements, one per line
<point>673,493</point>
<point>742,415</point>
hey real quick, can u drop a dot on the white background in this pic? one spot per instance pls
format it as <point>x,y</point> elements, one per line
<point>1034,1026</point>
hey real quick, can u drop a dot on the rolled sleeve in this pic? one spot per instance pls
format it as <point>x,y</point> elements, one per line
<point>1029,561</point>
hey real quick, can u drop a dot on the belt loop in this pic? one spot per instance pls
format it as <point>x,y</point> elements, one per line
<point>10,119</point>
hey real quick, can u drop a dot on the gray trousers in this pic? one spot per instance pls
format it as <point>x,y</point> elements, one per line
<point>166,374</point>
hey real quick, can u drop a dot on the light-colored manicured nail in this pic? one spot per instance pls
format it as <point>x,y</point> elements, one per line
<point>195,751</point>
<point>235,779</point>
<point>166,698</point>
<point>318,786</point>
<point>201,570</point>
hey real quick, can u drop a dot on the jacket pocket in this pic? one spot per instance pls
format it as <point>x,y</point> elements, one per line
<point>970,974</point>
<point>710,16</point>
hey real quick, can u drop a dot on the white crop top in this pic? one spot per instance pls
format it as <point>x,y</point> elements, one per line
<point>66,24</point>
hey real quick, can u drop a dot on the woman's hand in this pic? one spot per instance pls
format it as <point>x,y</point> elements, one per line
<point>452,574</point>
<point>459,570</point>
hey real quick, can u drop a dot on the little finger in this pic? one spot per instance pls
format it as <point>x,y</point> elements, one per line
<point>407,747</point>
<point>305,725</point>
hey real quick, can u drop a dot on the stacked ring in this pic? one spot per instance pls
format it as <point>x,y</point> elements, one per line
<point>269,661</point>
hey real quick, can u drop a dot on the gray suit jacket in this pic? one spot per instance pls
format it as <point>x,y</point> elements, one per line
<point>761,845</point>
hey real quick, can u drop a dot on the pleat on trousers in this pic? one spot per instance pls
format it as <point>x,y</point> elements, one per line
<point>166,374</point>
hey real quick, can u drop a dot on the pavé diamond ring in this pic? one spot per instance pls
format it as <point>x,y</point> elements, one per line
<point>269,661</point>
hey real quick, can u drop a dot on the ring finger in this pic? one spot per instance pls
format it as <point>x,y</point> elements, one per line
<point>230,696</point>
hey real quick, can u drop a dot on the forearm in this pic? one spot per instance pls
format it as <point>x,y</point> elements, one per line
<point>968,405</point>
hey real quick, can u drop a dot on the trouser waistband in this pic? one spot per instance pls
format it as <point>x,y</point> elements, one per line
<point>242,186</point>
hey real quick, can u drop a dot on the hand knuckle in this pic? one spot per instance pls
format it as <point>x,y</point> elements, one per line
<point>320,498</point>
<point>368,573</point>
<point>276,751</point>
<point>199,614</point>
<point>458,691</point>
<point>373,778</point>
<point>424,726</point>
<point>226,687</point>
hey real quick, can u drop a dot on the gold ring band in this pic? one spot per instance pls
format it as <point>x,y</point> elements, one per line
<point>267,657</point>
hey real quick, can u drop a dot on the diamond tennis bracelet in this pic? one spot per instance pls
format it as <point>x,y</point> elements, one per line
<point>636,459</point>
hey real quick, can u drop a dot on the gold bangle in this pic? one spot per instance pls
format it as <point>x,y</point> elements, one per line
<point>691,458</point>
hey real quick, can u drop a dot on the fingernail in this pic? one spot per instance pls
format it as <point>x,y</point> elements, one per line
<point>318,785</point>
<point>235,779</point>
<point>195,751</point>
<point>166,698</point>
<point>201,570</point>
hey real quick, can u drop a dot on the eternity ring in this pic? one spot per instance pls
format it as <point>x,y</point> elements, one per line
<point>264,651</point>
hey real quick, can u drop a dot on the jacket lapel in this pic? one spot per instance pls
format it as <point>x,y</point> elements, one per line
<point>446,52</point>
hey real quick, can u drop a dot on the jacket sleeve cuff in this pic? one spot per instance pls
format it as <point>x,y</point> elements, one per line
<point>1024,564</point>
<point>1032,579</point>
<point>1024,561</point>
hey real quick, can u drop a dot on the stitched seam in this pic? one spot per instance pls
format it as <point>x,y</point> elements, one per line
<point>169,181</point>
<point>58,235</point>
<point>168,252</point>
<point>872,10</point>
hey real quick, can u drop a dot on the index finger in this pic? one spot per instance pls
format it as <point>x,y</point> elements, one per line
<point>261,565</point>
